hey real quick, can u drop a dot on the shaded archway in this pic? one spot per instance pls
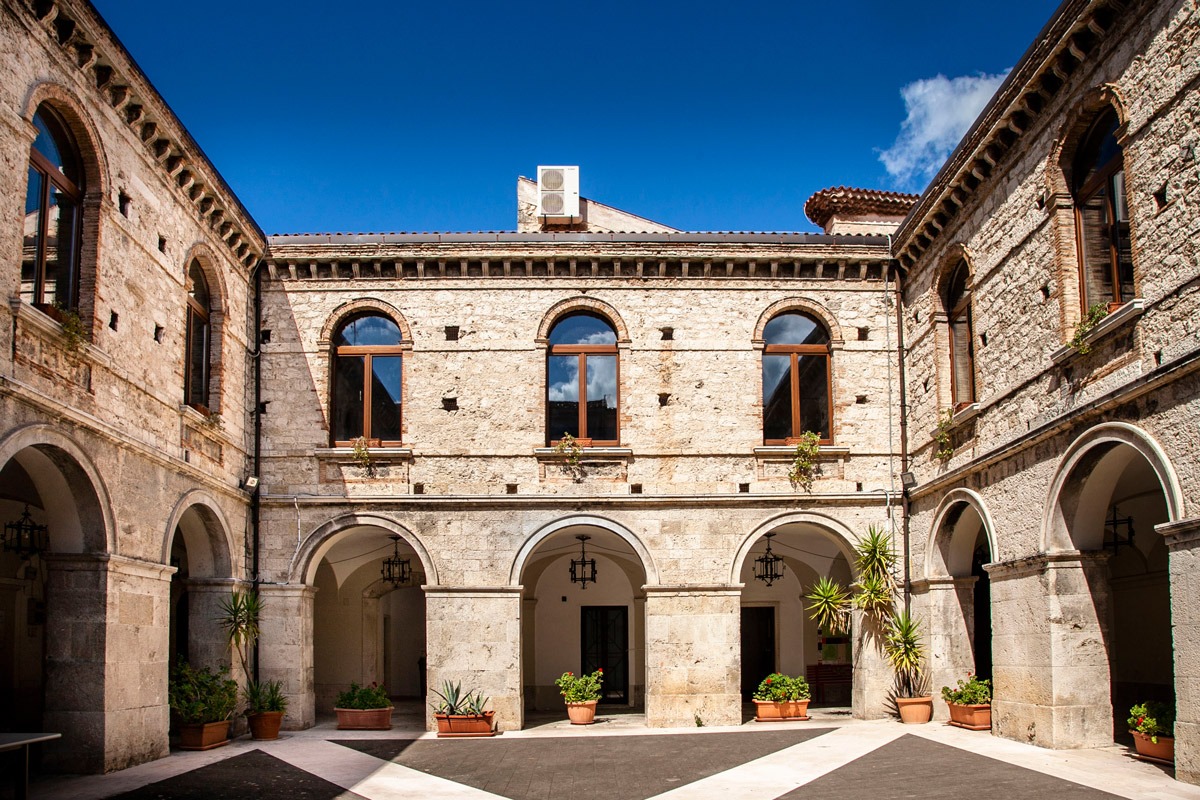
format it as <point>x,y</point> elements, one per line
<point>1113,487</point>
<point>579,627</point>
<point>777,633</point>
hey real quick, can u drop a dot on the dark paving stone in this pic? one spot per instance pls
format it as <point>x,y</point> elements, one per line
<point>916,767</point>
<point>252,775</point>
<point>582,768</point>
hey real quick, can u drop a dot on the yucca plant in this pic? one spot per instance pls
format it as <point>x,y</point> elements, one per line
<point>904,652</point>
<point>829,606</point>
<point>239,618</point>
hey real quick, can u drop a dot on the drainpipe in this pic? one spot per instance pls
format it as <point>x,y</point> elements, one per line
<point>904,507</point>
<point>256,413</point>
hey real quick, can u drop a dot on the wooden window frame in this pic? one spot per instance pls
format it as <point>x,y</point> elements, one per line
<point>795,351</point>
<point>368,352</point>
<point>53,176</point>
<point>1104,178</point>
<point>583,351</point>
<point>958,309</point>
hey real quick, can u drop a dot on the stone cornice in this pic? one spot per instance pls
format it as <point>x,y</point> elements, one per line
<point>1182,534</point>
<point>1071,36</point>
<point>857,202</point>
<point>109,70</point>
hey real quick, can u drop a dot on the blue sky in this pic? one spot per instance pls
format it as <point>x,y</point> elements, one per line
<point>397,116</point>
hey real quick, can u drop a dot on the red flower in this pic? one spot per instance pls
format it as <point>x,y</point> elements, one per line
<point>600,669</point>
<point>768,680</point>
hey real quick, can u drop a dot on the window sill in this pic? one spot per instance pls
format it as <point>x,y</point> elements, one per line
<point>788,452</point>
<point>551,454</point>
<point>964,415</point>
<point>377,453</point>
<point>1114,321</point>
<point>44,324</point>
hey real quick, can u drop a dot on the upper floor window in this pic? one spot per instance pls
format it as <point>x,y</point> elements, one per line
<point>1102,215</point>
<point>581,380</point>
<point>366,381</point>
<point>196,368</point>
<point>796,379</point>
<point>957,301</point>
<point>53,200</point>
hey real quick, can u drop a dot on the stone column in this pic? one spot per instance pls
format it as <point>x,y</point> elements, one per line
<point>637,666</point>
<point>208,644</point>
<point>693,655</point>
<point>529,654</point>
<point>108,632</point>
<point>872,680</point>
<point>1022,689</point>
<point>1078,595</point>
<point>950,636</point>
<point>285,648</point>
<point>1183,546</point>
<point>473,636</point>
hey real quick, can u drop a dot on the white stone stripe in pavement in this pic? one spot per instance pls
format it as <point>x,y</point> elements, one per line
<point>780,772</point>
<point>371,777</point>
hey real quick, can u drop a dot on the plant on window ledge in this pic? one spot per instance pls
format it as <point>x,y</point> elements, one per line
<point>942,437</point>
<point>214,421</point>
<point>72,329</point>
<point>1095,313</point>
<point>569,448</point>
<point>362,455</point>
<point>804,461</point>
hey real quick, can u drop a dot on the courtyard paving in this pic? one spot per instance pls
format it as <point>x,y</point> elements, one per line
<point>829,756</point>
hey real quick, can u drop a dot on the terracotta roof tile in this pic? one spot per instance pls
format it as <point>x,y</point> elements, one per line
<point>849,200</point>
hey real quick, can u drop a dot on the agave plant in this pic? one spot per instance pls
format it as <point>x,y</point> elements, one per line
<point>456,702</point>
<point>874,556</point>
<point>904,652</point>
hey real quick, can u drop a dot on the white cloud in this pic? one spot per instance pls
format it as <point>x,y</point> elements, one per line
<point>940,110</point>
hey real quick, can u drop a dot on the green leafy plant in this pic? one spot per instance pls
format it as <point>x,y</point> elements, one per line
<point>214,421</point>
<point>569,448</point>
<point>264,696</point>
<point>974,691</point>
<point>778,688</point>
<point>805,466</point>
<point>829,606</point>
<point>1152,719</point>
<point>456,702</point>
<point>362,455</point>
<point>943,437</point>
<point>580,688</point>
<point>1090,320</point>
<point>201,695</point>
<point>73,331</point>
<point>362,697</point>
<point>905,653</point>
<point>239,618</point>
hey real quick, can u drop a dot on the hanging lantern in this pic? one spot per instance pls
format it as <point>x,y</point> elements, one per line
<point>25,537</point>
<point>583,569</point>
<point>1113,528</point>
<point>396,570</point>
<point>768,567</point>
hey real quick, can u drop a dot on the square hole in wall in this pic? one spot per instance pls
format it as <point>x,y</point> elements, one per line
<point>510,488</point>
<point>983,339</point>
<point>451,333</point>
<point>418,488</point>
<point>864,334</point>
<point>158,333</point>
<point>860,399</point>
<point>1160,198</point>
<point>744,488</point>
<point>668,334</point>
<point>635,488</point>
<point>1045,291</point>
<point>113,319</point>
<point>664,398</point>
<point>162,244</point>
<point>264,336</point>
<point>450,403</point>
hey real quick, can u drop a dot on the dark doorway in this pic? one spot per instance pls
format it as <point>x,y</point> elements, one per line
<point>983,613</point>
<point>758,646</point>
<point>604,638</point>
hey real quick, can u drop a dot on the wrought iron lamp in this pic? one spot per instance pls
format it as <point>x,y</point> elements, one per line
<point>768,567</point>
<point>25,537</point>
<point>1113,528</point>
<point>583,569</point>
<point>396,570</point>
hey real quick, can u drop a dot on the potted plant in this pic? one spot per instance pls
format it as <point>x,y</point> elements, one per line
<point>904,653</point>
<point>203,702</point>
<point>460,714</point>
<point>780,697</point>
<point>364,708</point>
<point>1153,727</point>
<point>970,703</point>
<point>581,693</point>
<point>265,706</point>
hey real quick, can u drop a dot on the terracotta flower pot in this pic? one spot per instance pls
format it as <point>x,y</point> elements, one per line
<point>203,735</point>
<point>970,716</point>
<point>452,725</point>
<point>777,711</point>
<point>915,710</point>
<point>364,719</point>
<point>265,725</point>
<point>1163,751</point>
<point>582,713</point>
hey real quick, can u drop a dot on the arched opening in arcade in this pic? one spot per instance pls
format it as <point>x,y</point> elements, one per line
<point>583,609</point>
<point>777,633</point>
<point>1109,503</point>
<point>369,616</point>
<point>199,552</point>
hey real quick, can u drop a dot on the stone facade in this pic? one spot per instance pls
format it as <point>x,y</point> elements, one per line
<point>1048,530</point>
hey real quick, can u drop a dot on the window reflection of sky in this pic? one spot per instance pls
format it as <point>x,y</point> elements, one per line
<point>794,328</point>
<point>601,379</point>
<point>775,372</point>
<point>368,331</point>
<point>582,329</point>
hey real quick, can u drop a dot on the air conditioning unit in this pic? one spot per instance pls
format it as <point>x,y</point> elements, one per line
<point>558,193</point>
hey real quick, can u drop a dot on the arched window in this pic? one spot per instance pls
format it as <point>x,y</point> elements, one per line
<point>366,381</point>
<point>1102,215</point>
<point>956,300</point>
<point>53,201</point>
<point>196,368</point>
<point>796,379</point>
<point>581,380</point>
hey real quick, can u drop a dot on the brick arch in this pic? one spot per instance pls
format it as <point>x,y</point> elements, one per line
<point>358,306</point>
<point>804,305</point>
<point>1077,121</point>
<point>582,303</point>
<point>210,547</point>
<point>946,263</point>
<point>210,265</point>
